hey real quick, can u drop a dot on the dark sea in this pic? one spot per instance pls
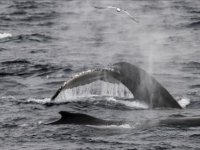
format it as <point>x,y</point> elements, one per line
<point>45,42</point>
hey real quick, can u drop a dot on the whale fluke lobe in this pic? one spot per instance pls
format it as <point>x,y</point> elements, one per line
<point>144,87</point>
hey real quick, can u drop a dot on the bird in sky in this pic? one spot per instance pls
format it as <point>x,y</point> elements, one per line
<point>118,10</point>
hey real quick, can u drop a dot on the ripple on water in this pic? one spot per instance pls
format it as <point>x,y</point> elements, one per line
<point>35,37</point>
<point>192,67</point>
<point>195,25</point>
<point>31,4</point>
<point>25,68</point>
<point>195,86</point>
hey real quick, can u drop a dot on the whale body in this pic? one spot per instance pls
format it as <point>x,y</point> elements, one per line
<point>84,119</point>
<point>181,122</point>
<point>143,86</point>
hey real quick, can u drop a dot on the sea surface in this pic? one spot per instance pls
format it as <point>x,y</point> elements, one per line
<point>45,42</point>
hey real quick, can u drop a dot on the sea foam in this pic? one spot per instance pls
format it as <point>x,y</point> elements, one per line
<point>5,35</point>
<point>183,102</point>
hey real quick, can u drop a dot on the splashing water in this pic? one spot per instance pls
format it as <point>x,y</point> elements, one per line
<point>5,35</point>
<point>40,101</point>
<point>183,102</point>
<point>98,88</point>
<point>131,104</point>
<point>124,126</point>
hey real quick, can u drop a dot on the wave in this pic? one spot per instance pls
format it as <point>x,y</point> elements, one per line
<point>8,97</point>
<point>40,101</point>
<point>21,14</point>
<point>191,66</point>
<point>46,24</point>
<point>195,86</point>
<point>5,35</point>
<point>18,13</point>
<point>24,5</point>
<point>183,102</point>
<point>40,16</point>
<point>32,37</point>
<point>2,49</point>
<point>35,37</point>
<point>124,126</point>
<point>195,24</point>
<point>31,4</point>
<point>17,61</point>
<point>105,102</point>
<point>132,104</point>
<point>195,11</point>
<point>25,68</point>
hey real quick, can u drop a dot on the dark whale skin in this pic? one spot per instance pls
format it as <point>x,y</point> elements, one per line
<point>143,86</point>
<point>82,119</point>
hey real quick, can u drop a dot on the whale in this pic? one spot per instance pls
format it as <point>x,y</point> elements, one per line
<point>181,121</point>
<point>144,87</point>
<point>85,119</point>
<point>82,119</point>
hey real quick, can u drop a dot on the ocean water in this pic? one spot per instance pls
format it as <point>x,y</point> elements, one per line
<point>45,42</point>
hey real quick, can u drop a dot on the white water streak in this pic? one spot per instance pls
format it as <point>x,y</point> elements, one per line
<point>5,35</point>
<point>98,88</point>
<point>132,104</point>
<point>40,101</point>
<point>183,102</point>
<point>124,126</point>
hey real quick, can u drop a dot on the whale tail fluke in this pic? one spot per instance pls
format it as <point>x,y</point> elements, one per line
<point>143,86</point>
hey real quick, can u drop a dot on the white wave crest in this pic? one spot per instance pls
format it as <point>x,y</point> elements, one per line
<point>125,126</point>
<point>183,102</point>
<point>5,35</point>
<point>8,97</point>
<point>40,101</point>
<point>132,104</point>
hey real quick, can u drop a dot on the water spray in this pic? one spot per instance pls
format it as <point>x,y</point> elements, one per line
<point>118,10</point>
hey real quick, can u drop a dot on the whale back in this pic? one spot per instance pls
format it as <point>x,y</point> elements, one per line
<point>81,119</point>
<point>85,119</point>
